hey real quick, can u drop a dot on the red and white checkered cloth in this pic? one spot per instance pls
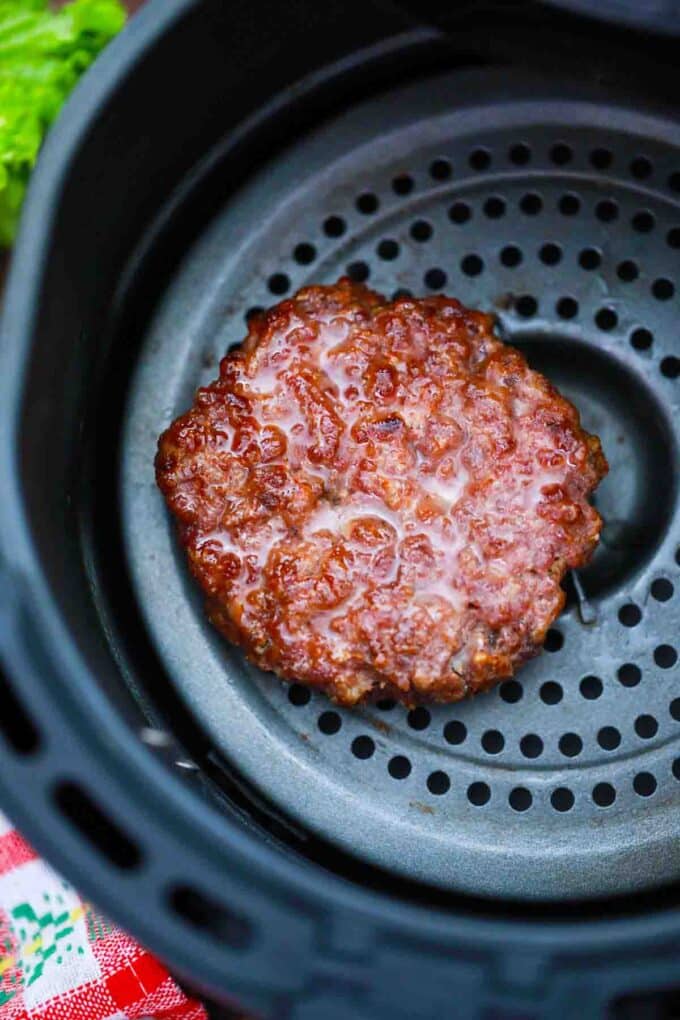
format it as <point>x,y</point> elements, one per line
<point>61,960</point>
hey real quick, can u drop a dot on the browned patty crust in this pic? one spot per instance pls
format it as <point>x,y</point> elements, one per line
<point>379,498</point>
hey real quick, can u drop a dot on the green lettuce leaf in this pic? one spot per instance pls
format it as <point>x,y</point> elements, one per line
<point>43,52</point>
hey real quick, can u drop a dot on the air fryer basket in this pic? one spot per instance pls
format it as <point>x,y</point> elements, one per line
<point>313,861</point>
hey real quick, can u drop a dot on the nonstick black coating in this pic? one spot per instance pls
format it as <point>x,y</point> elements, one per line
<point>222,886</point>
<point>520,195</point>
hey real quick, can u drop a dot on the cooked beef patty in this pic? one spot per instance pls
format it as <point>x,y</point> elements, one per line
<point>380,498</point>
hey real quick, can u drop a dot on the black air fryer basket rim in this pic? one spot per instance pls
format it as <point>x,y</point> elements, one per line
<point>282,742</point>
<point>638,14</point>
<point>251,877</point>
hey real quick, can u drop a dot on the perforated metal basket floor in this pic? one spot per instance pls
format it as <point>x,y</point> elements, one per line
<point>563,216</point>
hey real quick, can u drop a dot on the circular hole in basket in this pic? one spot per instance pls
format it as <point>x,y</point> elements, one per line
<point>511,691</point>
<point>399,767</point>
<point>589,258</point>
<point>480,159</point>
<point>644,784</point>
<point>304,253</point>
<point>606,319</point>
<point>460,212</point>
<point>601,158</point>
<point>531,203</point>
<point>646,726</point>
<point>511,256</point>
<point>562,799</point>
<point>629,674</point>
<point>641,168</point>
<point>435,278</point>
<point>334,226</point>
<point>607,210</point>
<point>478,794</point>
<point>388,249</point>
<point>455,732</point>
<point>550,253</point>
<point>520,799</point>
<point>440,169</point>
<point>421,230</point>
<point>604,794</point>
<point>554,640</point>
<point>526,305</point>
<point>419,718</point>
<point>402,184</point>
<point>358,271</point>
<point>278,283</point>
<point>630,615</point>
<point>531,745</point>
<point>363,747</point>
<point>494,207</point>
<point>252,313</point>
<point>608,738</point>
<point>567,308</point>
<point>561,153</point>
<point>570,745</point>
<point>643,222</point>
<point>519,154</point>
<point>367,203</point>
<point>551,692</point>
<point>591,688</point>
<point>299,695</point>
<point>665,656</point>
<point>438,783</point>
<point>627,271</point>
<point>662,589</point>
<point>670,367</point>
<point>471,265</point>
<point>641,339</point>
<point>663,289</point>
<point>569,204</point>
<point>493,741</point>
<point>329,723</point>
